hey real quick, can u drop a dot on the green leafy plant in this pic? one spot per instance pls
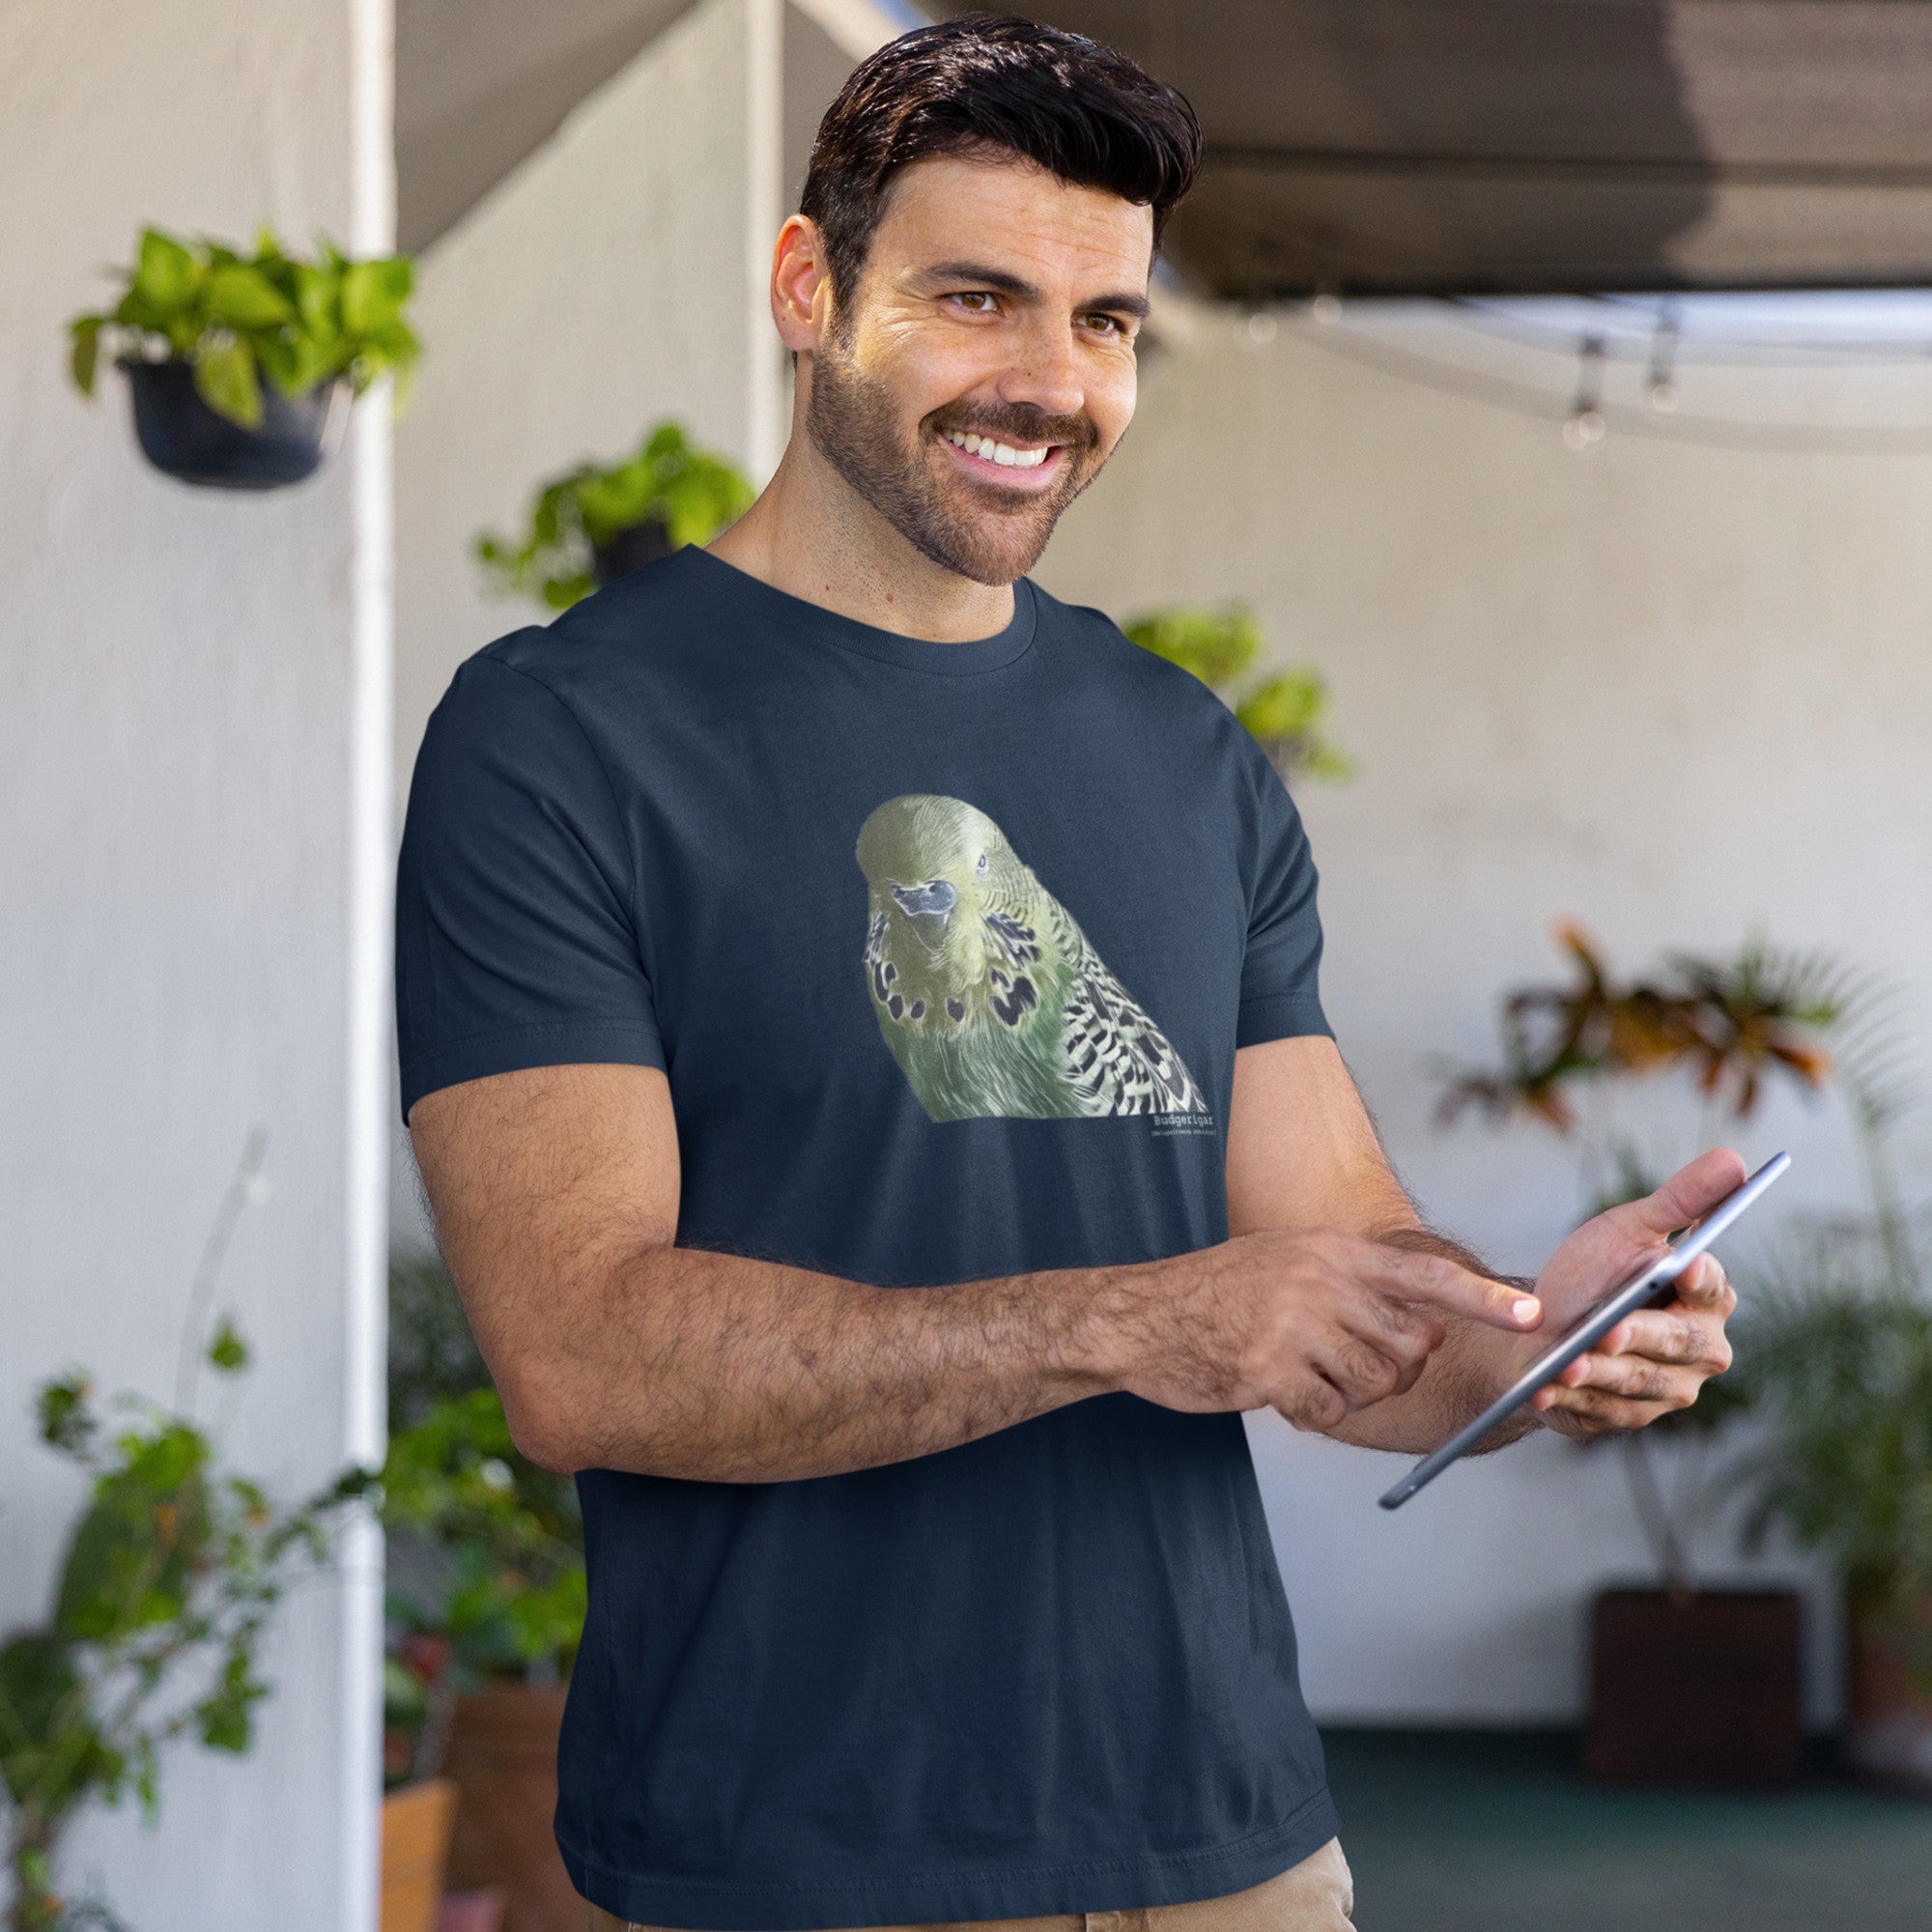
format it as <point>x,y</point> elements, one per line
<point>487,1578</point>
<point>693,492</point>
<point>168,1583</point>
<point>510,1597</point>
<point>1286,714</point>
<point>240,318</point>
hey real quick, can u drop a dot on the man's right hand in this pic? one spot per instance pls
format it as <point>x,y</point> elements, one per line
<point>1315,1323</point>
<point>556,1192</point>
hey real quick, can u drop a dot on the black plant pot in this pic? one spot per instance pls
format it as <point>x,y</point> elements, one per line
<point>631,549</point>
<point>1695,1689</point>
<point>182,436</point>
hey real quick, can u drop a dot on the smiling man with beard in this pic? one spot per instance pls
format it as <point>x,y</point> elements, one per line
<point>861,1037</point>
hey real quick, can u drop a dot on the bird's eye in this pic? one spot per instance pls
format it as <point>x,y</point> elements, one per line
<point>981,865</point>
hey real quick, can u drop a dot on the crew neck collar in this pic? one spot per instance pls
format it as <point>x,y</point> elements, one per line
<point>965,659</point>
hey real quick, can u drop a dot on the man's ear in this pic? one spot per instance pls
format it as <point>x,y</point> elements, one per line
<point>801,285</point>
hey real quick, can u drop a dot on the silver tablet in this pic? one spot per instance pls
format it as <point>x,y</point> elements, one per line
<point>1648,1285</point>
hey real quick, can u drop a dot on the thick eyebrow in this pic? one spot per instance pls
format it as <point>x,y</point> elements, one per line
<point>1002,281</point>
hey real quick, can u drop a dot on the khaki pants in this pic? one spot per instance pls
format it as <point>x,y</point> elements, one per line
<point>1317,1895</point>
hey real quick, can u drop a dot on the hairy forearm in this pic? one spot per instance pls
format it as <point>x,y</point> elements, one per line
<point>1458,1381</point>
<point>722,1368</point>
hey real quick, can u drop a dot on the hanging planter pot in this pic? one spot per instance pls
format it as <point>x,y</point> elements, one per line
<point>599,522</point>
<point>181,436</point>
<point>242,370</point>
<point>631,549</point>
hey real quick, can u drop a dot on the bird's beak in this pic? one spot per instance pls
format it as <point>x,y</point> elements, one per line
<point>927,908</point>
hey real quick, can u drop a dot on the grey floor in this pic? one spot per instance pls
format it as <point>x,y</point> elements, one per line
<point>1496,1831</point>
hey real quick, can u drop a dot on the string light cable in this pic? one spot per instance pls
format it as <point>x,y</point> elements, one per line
<point>1651,335</point>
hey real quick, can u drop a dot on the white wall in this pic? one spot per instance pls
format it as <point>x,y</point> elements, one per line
<point>1676,692</point>
<point>192,831</point>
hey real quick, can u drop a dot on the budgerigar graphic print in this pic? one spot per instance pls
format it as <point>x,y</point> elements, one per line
<point>990,997</point>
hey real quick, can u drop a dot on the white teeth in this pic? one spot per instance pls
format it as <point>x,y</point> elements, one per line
<point>1002,453</point>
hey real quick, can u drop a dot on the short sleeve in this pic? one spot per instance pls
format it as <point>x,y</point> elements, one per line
<point>1279,967</point>
<point>517,942</point>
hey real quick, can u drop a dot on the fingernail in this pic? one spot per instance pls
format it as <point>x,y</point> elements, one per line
<point>1527,1309</point>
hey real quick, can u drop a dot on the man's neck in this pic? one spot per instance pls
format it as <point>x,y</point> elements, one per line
<point>812,535</point>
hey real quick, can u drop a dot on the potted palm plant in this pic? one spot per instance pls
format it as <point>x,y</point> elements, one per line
<point>198,328</point>
<point>1286,714</point>
<point>1837,1353</point>
<point>599,522</point>
<point>1690,1682</point>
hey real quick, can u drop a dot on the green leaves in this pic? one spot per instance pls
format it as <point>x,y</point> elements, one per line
<point>508,1589</point>
<point>297,324</point>
<point>1283,714</point>
<point>226,379</point>
<point>1288,710</point>
<point>66,1415</point>
<point>239,297</point>
<point>224,1719</point>
<point>226,1350</point>
<point>1218,645</point>
<point>165,275</point>
<point>86,352</point>
<point>695,493</point>
<point>169,1579</point>
<point>373,293</point>
<point>1836,1350</point>
<point>50,1750</point>
<point>134,1555</point>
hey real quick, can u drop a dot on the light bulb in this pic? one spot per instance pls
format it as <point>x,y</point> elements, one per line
<point>1261,327</point>
<point>1663,396</point>
<point>1326,308</point>
<point>1585,426</point>
<point>1583,429</point>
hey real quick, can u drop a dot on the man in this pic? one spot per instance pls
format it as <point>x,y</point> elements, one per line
<point>861,1039</point>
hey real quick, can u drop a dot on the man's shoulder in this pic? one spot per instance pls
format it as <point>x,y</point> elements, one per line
<point>636,628</point>
<point>1106,652</point>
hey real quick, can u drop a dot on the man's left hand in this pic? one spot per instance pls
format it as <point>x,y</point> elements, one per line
<point>1658,1359</point>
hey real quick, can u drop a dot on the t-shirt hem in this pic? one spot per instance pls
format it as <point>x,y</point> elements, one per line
<point>1286,1016</point>
<point>513,1049</point>
<point>927,1897</point>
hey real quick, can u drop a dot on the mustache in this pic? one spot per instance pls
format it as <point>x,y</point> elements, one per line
<point>1017,423</point>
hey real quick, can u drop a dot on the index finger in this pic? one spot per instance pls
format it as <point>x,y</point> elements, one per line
<point>1440,1283</point>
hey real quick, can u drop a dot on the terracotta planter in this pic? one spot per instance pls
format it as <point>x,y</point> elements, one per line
<point>415,1846</point>
<point>503,1759</point>
<point>1888,1703</point>
<point>1699,1690</point>
<point>480,1911</point>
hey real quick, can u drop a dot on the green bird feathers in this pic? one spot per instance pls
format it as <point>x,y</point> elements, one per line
<point>986,990</point>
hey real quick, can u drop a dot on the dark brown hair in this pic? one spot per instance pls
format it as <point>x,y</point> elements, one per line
<point>995,85</point>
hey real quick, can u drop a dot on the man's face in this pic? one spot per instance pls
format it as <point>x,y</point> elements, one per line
<point>983,368</point>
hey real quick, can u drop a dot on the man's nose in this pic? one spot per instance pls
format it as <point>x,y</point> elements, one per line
<point>1046,374</point>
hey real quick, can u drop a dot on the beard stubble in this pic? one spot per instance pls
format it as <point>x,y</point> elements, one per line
<point>987,537</point>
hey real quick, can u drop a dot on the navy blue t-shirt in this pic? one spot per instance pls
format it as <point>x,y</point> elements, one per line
<point>946,950</point>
